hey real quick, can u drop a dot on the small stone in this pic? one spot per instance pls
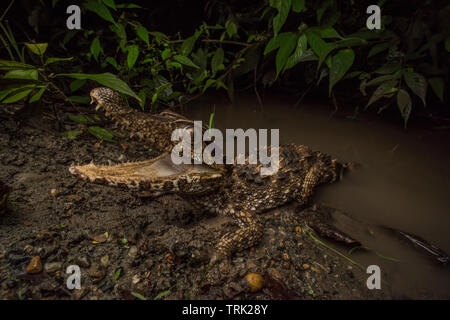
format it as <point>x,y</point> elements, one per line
<point>305,266</point>
<point>133,251</point>
<point>104,260</point>
<point>135,279</point>
<point>35,265</point>
<point>51,267</point>
<point>54,192</point>
<point>28,248</point>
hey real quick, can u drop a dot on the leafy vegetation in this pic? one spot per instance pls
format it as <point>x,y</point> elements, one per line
<point>314,45</point>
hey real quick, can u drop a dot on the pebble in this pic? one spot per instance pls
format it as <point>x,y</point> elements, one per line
<point>104,260</point>
<point>35,265</point>
<point>51,267</point>
<point>133,251</point>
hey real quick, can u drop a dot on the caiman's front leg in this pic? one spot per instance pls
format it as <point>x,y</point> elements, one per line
<point>249,234</point>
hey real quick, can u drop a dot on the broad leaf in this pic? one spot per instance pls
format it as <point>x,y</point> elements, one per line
<point>101,133</point>
<point>13,65</point>
<point>380,47</point>
<point>298,53</point>
<point>404,104</point>
<point>340,63</point>
<point>382,90</point>
<point>298,5</point>
<point>100,9</point>
<point>320,47</point>
<point>186,61</point>
<point>37,48</point>
<point>38,95</point>
<point>284,52</point>
<point>96,48</point>
<point>417,83</point>
<point>53,60</point>
<point>107,79</point>
<point>283,7</point>
<point>142,33</point>
<point>437,84</point>
<point>28,74</point>
<point>217,59</point>
<point>276,41</point>
<point>133,53</point>
<point>17,96</point>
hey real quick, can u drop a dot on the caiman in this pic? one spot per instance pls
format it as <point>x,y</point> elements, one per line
<point>237,191</point>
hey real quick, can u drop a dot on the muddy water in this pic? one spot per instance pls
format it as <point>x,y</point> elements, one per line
<point>403,180</point>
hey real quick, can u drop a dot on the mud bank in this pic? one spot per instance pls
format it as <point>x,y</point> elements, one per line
<point>126,244</point>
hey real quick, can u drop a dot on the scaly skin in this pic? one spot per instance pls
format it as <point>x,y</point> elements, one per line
<point>240,192</point>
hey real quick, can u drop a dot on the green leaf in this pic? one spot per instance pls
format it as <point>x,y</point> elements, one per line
<point>110,3</point>
<point>142,33</point>
<point>328,32</point>
<point>37,48</point>
<point>231,28</point>
<point>53,60</point>
<point>185,60</point>
<point>17,96</point>
<point>187,45</point>
<point>283,7</point>
<point>383,78</point>
<point>117,274</point>
<point>139,296</point>
<point>162,294</point>
<point>417,83</point>
<point>107,79</point>
<point>284,52</point>
<point>404,104</point>
<point>79,99</point>
<point>101,133</point>
<point>128,6</point>
<point>380,47</point>
<point>96,48</point>
<point>159,36</point>
<point>437,84</point>
<point>72,134</point>
<point>298,53</point>
<point>76,84</point>
<point>143,95</point>
<point>350,42</point>
<point>298,5</point>
<point>320,47</point>
<point>28,74</point>
<point>13,65</point>
<point>382,90</point>
<point>113,62</point>
<point>133,53</point>
<point>100,9</point>
<point>166,53</point>
<point>217,59</point>
<point>389,67</point>
<point>340,63</point>
<point>15,89</point>
<point>37,95</point>
<point>208,83</point>
<point>276,41</point>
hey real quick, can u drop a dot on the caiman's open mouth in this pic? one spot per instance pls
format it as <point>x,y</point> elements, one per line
<point>152,175</point>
